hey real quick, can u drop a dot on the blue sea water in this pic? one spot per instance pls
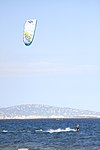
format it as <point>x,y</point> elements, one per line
<point>50,134</point>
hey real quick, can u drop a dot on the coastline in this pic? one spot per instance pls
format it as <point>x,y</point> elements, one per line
<point>48,118</point>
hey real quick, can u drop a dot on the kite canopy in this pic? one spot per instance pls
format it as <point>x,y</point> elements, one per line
<point>29,31</point>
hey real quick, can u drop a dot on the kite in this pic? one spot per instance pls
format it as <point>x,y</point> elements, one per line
<point>29,31</point>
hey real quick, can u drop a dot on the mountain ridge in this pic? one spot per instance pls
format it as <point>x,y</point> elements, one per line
<point>33,111</point>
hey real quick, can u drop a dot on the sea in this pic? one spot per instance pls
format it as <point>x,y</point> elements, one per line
<point>50,134</point>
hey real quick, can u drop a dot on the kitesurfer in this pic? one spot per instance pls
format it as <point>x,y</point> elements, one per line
<point>78,127</point>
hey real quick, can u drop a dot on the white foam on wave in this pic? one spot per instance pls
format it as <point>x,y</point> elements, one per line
<point>60,130</point>
<point>23,149</point>
<point>40,130</point>
<point>5,131</point>
<point>57,130</point>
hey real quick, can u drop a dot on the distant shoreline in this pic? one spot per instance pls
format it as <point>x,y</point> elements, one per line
<point>95,118</point>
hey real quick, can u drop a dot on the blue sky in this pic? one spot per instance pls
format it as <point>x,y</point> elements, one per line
<point>62,65</point>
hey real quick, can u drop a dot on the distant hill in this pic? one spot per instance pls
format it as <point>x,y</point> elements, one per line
<point>32,111</point>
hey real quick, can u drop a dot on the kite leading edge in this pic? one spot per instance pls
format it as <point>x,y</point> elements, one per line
<point>29,31</point>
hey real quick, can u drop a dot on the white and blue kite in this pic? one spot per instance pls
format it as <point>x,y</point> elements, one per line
<point>29,31</point>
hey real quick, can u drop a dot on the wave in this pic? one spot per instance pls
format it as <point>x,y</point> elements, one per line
<point>60,130</point>
<point>57,130</point>
<point>4,131</point>
<point>41,130</point>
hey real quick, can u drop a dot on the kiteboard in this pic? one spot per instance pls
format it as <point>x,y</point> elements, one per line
<point>29,31</point>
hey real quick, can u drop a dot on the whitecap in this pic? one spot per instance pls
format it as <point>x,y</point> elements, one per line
<point>60,130</point>
<point>4,131</point>
<point>40,130</point>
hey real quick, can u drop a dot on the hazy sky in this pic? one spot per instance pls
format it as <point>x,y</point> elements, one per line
<point>62,65</point>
